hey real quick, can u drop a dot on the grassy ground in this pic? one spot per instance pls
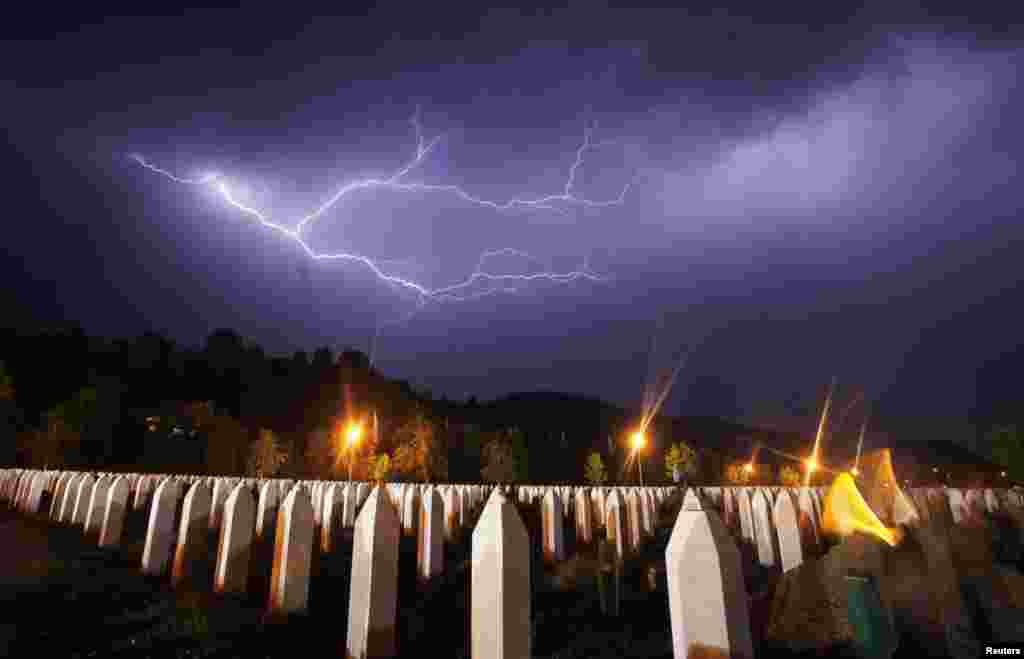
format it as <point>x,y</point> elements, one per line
<point>61,597</point>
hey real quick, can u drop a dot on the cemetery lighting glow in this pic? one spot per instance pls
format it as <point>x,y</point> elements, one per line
<point>639,441</point>
<point>480,282</point>
<point>817,438</point>
<point>855,471</point>
<point>846,512</point>
<point>749,467</point>
<point>354,432</point>
<point>811,464</point>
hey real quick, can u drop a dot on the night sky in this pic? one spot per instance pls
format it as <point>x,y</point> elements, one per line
<point>812,193</point>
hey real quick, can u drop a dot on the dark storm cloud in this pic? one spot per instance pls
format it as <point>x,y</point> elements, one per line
<point>815,193</point>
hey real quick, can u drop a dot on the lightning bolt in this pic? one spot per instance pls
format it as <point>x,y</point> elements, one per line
<point>480,282</point>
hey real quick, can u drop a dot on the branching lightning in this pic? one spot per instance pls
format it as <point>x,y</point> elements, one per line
<point>480,282</point>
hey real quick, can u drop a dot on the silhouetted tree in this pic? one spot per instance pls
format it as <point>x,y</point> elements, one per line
<point>498,462</point>
<point>520,454</point>
<point>266,455</point>
<point>380,467</point>
<point>421,452</point>
<point>680,456</point>
<point>737,473</point>
<point>594,470</point>
<point>789,476</point>
<point>1007,444</point>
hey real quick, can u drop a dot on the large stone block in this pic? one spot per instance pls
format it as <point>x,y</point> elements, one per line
<point>706,592</point>
<point>373,598</point>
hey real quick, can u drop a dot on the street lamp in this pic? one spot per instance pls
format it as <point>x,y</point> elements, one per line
<point>639,441</point>
<point>352,435</point>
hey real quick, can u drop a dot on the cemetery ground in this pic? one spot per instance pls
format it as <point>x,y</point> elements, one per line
<point>64,597</point>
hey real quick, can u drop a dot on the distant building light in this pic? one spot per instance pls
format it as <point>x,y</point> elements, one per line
<point>935,469</point>
<point>1003,474</point>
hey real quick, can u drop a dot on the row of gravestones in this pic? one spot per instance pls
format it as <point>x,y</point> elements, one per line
<point>707,606</point>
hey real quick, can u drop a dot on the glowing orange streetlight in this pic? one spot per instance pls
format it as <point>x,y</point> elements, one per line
<point>811,465</point>
<point>352,436</point>
<point>749,467</point>
<point>854,471</point>
<point>639,441</point>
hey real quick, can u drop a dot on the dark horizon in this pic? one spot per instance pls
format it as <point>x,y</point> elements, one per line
<point>813,193</point>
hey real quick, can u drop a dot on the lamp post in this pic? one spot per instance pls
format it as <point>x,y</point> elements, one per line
<point>639,441</point>
<point>352,436</point>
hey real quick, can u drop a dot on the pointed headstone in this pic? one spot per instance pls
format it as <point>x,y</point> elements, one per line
<point>615,524</point>
<point>350,503</point>
<point>266,511</point>
<point>58,496</point>
<point>331,520</point>
<point>221,488</point>
<point>747,534</point>
<point>114,512</point>
<point>451,513</point>
<point>373,598</point>
<point>161,529</point>
<point>706,592</point>
<point>551,521</point>
<point>82,500</point>
<point>234,544</point>
<point>584,517</point>
<point>500,584</point>
<point>96,508</point>
<point>193,528</point>
<point>807,520</point>
<point>430,536</point>
<point>410,510</point>
<point>763,530</point>
<point>67,507</point>
<point>787,526</point>
<point>633,523</point>
<point>956,504</point>
<point>293,552</point>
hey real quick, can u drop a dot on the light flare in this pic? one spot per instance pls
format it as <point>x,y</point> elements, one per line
<point>817,437</point>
